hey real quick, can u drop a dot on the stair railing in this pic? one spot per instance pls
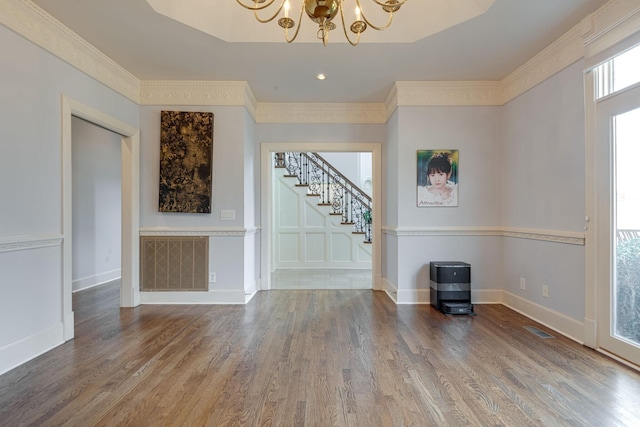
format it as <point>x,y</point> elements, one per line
<point>334,189</point>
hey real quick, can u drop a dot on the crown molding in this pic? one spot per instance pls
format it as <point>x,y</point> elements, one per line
<point>320,113</point>
<point>610,15</point>
<point>611,24</point>
<point>456,93</point>
<point>188,92</point>
<point>30,21</point>
<point>33,23</point>
<point>566,50</point>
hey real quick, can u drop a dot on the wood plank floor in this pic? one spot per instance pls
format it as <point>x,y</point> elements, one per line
<point>313,358</point>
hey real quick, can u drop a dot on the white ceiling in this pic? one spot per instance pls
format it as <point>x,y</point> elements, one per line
<point>154,47</point>
<point>233,23</point>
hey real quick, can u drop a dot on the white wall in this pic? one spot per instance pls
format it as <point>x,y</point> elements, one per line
<point>233,189</point>
<point>543,177</point>
<point>97,183</point>
<point>32,83</point>
<point>428,234</point>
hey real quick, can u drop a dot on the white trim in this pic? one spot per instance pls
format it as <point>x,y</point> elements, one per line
<point>554,58</point>
<point>199,231</point>
<point>219,296</point>
<point>595,32</point>
<point>412,296</point>
<point>129,288</point>
<point>36,241</point>
<point>486,296</point>
<point>95,280</point>
<point>555,236</point>
<point>371,113</point>
<point>195,92</point>
<point>611,24</point>
<point>423,296</point>
<point>28,348</point>
<point>552,319</point>
<point>443,93</point>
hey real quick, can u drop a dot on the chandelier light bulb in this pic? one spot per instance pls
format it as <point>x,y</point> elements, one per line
<point>286,8</point>
<point>358,17</point>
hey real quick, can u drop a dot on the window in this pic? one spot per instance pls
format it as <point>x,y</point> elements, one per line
<point>618,73</point>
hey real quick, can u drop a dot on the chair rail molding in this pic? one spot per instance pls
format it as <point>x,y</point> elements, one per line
<point>35,241</point>
<point>554,236</point>
<point>199,231</point>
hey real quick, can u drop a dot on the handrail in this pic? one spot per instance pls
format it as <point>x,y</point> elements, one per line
<point>360,192</point>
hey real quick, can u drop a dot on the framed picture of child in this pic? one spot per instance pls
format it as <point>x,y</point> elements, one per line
<point>438,177</point>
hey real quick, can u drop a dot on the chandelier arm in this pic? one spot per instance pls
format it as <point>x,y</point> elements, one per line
<point>375,27</point>
<point>254,7</point>
<point>344,28</point>
<point>272,17</point>
<point>286,30</point>
<point>383,4</point>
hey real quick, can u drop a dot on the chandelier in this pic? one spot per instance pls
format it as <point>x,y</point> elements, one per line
<point>322,12</point>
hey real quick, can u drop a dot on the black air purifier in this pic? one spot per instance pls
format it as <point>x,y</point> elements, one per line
<point>450,289</point>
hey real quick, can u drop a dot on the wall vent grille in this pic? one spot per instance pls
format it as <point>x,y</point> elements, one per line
<point>175,263</point>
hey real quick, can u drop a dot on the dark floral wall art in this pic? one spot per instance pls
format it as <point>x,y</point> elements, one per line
<point>186,160</point>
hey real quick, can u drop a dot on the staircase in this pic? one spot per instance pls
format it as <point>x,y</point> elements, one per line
<point>333,189</point>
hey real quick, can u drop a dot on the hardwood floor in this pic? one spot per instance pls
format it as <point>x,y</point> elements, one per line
<point>316,358</point>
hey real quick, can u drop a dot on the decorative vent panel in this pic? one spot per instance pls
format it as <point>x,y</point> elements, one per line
<point>174,263</point>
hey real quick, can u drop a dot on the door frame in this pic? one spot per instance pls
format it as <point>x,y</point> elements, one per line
<point>266,203</point>
<point>625,100</point>
<point>130,220</point>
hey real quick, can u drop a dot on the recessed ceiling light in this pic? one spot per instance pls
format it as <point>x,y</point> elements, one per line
<point>321,76</point>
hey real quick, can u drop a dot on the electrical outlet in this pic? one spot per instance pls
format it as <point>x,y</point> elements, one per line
<point>212,277</point>
<point>522,284</point>
<point>545,291</point>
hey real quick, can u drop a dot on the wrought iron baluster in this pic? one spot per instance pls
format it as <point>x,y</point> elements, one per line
<point>344,197</point>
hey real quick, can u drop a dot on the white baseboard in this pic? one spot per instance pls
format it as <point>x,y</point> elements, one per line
<point>552,319</point>
<point>228,296</point>
<point>486,296</point>
<point>19,352</point>
<point>96,280</point>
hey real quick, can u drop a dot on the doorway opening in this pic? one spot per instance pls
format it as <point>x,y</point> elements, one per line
<point>96,200</point>
<point>129,250</point>
<point>370,279</point>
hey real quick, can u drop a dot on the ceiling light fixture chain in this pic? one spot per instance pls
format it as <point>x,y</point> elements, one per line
<point>322,12</point>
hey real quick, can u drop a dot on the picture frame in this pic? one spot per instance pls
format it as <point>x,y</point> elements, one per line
<point>186,162</point>
<point>437,178</point>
